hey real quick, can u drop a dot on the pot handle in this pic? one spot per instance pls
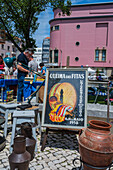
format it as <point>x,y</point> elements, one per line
<point>81,131</point>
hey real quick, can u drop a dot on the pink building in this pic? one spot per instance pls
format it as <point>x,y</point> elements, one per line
<point>86,36</point>
<point>7,47</point>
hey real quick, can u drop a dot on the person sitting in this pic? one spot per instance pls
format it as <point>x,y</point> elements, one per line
<point>99,78</point>
<point>43,69</point>
<point>14,70</point>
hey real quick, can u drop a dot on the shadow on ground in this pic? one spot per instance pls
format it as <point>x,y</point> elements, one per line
<point>60,140</point>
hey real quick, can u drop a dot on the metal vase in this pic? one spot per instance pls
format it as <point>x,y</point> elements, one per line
<point>20,158</point>
<point>26,130</point>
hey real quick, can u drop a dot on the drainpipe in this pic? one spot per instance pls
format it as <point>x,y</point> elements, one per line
<point>61,60</point>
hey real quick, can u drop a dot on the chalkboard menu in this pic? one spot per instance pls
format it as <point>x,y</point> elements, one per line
<point>65,98</point>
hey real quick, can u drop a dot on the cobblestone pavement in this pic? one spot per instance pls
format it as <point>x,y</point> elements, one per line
<point>59,152</point>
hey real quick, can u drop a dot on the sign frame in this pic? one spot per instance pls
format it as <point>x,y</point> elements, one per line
<point>71,71</point>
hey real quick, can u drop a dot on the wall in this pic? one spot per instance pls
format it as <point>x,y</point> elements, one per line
<point>90,35</point>
<point>99,112</point>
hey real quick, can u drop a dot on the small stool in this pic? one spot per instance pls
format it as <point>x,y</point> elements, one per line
<point>20,116</point>
<point>7,109</point>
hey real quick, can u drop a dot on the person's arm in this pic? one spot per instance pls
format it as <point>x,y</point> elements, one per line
<point>37,67</point>
<point>43,72</point>
<point>3,64</point>
<point>22,68</point>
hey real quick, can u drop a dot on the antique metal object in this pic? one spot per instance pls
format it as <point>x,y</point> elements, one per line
<point>96,145</point>
<point>26,130</point>
<point>20,158</point>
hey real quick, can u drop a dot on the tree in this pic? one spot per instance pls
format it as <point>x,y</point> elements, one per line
<point>19,18</point>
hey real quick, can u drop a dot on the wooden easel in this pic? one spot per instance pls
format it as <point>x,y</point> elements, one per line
<point>76,131</point>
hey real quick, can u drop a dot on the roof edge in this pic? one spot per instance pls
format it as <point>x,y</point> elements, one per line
<point>92,4</point>
<point>85,17</point>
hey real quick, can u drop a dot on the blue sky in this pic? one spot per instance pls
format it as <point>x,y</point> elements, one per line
<point>44,18</point>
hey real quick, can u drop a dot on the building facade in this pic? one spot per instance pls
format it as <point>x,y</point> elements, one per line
<point>7,48</point>
<point>38,55</point>
<point>85,38</point>
<point>45,50</point>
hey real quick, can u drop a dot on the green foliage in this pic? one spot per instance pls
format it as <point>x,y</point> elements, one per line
<point>97,72</point>
<point>100,99</point>
<point>19,18</point>
<point>102,70</point>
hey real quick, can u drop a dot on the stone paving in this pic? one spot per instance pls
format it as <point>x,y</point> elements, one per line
<point>59,152</point>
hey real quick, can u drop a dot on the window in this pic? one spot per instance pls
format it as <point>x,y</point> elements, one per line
<point>55,56</point>
<point>2,54</point>
<point>57,27</point>
<point>45,50</point>
<point>96,55</point>
<point>78,26</point>
<point>8,48</point>
<point>76,59</point>
<point>103,55</point>
<point>2,46</point>
<point>100,55</point>
<point>77,43</point>
<point>14,49</point>
<point>54,28</point>
<point>51,28</point>
<point>46,45</point>
<point>51,56</point>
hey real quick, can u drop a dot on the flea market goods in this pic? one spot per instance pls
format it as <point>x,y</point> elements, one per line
<point>20,158</point>
<point>96,145</point>
<point>26,130</point>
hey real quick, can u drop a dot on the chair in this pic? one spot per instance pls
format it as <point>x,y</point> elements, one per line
<point>102,91</point>
<point>20,116</point>
<point>110,97</point>
<point>92,90</point>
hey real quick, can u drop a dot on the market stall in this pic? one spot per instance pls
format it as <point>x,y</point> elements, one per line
<point>31,86</point>
<point>8,87</point>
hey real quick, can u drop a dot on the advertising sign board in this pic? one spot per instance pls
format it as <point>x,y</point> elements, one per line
<point>65,98</point>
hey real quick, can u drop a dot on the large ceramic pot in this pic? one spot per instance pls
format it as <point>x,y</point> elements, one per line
<point>96,145</point>
<point>26,130</point>
<point>20,158</point>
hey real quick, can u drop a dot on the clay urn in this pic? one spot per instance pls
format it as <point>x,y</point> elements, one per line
<point>19,158</point>
<point>96,145</point>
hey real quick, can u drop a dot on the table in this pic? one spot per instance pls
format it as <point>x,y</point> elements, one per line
<point>7,109</point>
<point>2,83</point>
<point>11,83</point>
<point>8,82</point>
